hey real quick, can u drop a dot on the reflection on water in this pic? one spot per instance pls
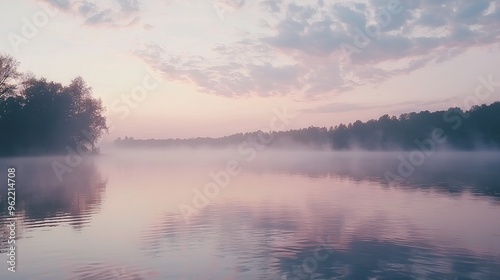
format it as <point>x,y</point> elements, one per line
<point>302,215</point>
<point>42,196</point>
<point>42,200</point>
<point>453,172</point>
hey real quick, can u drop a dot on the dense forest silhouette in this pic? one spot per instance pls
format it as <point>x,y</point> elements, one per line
<point>477,128</point>
<point>42,117</point>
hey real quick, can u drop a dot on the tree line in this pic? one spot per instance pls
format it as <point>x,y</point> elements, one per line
<point>476,128</point>
<point>38,116</point>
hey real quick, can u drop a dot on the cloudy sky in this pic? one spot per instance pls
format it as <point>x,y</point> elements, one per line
<point>184,68</point>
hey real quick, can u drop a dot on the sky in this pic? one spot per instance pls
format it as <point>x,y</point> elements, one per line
<point>179,69</point>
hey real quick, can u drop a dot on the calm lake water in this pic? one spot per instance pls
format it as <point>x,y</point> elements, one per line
<point>283,215</point>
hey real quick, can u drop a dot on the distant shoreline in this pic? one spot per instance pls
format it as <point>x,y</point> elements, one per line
<point>475,129</point>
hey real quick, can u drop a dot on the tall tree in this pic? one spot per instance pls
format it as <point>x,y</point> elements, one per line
<point>46,117</point>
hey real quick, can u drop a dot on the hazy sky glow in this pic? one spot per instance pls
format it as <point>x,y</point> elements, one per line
<point>211,68</point>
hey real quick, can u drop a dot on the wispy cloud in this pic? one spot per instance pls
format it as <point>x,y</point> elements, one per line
<point>108,13</point>
<point>240,70</point>
<point>311,38</point>
<point>129,6</point>
<point>300,48</point>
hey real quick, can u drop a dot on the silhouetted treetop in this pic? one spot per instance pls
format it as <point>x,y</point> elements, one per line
<point>42,117</point>
<point>8,74</point>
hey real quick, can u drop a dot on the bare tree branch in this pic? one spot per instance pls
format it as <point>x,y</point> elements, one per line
<point>8,74</point>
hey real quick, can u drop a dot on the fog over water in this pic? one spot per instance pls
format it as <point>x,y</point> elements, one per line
<point>266,214</point>
<point>445,169</point>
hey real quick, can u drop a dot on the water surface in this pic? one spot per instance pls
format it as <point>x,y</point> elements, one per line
<point>285,215</point>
